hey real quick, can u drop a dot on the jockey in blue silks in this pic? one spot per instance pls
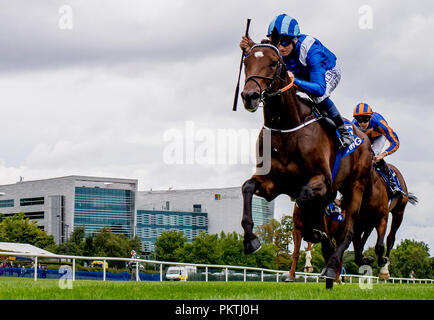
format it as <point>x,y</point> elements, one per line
<point>313,67</point>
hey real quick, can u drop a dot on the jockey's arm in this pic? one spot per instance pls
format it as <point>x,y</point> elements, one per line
<point>316,85</point>
<point>390,135</point>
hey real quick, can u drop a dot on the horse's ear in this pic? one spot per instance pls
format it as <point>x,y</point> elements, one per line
<point>274,37</point>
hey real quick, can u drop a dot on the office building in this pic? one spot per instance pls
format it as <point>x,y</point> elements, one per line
<point>59,204</point>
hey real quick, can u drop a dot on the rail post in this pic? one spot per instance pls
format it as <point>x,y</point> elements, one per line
<point>206,274</point>
<point>35,276</point>
<point>262,275</point>
<point>73,269</point>
<point>103,270</point>
<point>245,275</point>
<point>161,272</point>
<point>137,271</point>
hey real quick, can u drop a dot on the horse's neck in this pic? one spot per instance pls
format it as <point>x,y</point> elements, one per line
<point>287,112</point>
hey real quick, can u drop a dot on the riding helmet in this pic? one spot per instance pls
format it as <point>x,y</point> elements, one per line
<point>286,25</point>
<point>362,109</point>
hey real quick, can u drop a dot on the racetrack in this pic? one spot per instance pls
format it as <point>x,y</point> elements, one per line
<point>48,289</point>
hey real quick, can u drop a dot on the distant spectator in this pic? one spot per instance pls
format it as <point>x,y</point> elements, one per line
<point>342,276</point>
<point>43,271</point>
<point>132,264</point>
<point>412,276</point>
<point>11,268</point>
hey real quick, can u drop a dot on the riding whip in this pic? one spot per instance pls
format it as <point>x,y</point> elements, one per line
<point>237,90</point>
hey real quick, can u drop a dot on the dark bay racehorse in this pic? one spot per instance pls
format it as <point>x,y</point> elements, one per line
<point>374,213</point>
<point>301,155</point>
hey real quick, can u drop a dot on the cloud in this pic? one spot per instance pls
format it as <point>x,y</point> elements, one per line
<point>98,99</point>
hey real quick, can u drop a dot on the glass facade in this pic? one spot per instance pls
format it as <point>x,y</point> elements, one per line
<point>150,225</point>
<point>7,203</point>
<point>262,211</point>
<point>96,208</point>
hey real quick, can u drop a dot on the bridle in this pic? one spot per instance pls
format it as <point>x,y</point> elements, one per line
<point>269,93</point>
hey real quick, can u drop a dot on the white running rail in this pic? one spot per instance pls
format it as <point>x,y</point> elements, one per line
<point>315,276</point>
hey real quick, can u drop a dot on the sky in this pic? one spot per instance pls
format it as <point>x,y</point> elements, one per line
<point>144,90</point>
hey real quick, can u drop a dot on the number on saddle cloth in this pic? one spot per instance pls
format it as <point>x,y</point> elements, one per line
<point>350,149</point>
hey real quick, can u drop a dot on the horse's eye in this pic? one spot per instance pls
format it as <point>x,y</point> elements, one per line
<point>273,64</point>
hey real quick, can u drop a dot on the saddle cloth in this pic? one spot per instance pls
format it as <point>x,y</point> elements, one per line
<point>342,153</point>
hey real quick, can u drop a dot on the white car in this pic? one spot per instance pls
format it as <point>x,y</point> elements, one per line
<point>176,274</point>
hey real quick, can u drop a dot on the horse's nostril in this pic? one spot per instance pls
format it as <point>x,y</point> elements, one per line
<point>250,95</point>
<point>255,95</point>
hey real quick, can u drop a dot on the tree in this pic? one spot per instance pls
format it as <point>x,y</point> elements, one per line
<point>109,244</point>
<point>411,255</point>
<point>75,244</point>
<point>20,229</point>
<point>348,261</point>
<point>77,235</point>
<point>278,233</point>
<point>205,249</point>
<point>167,244</point>
<point>231,248</point>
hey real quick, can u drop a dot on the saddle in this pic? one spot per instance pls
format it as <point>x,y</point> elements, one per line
<point>322,116</point>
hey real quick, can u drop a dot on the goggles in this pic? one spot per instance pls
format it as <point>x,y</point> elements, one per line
<point>363,119</point>
<point>285,40</point>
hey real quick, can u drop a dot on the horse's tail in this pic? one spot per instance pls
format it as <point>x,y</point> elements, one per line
<point>412,199</point>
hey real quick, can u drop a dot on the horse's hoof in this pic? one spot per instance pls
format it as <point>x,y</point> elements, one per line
<point>290,279</point>
<point>329,283</point>
<point>367,261</point>
<point>328,273</point>
<point>252,246</point>
<point>384,275</point>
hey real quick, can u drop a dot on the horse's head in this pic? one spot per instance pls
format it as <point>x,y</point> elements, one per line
<point>262,68</point>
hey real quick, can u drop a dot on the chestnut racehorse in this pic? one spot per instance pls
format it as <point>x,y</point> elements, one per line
<point>374,213</point>
<point>300,155</point>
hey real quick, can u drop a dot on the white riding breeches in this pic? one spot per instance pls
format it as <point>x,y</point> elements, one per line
<point>377,144</point>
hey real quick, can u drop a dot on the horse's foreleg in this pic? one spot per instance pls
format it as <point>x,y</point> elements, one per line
<point>251,242</point>
<point>296,235</point>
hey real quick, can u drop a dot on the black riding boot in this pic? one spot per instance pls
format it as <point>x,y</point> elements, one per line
<point>385,170</point>
<point>346,138</point>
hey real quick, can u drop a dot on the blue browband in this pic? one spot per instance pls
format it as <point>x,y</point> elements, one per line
<point>262,45</point>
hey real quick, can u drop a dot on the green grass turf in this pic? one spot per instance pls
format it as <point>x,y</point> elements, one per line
<point>47,289</point>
